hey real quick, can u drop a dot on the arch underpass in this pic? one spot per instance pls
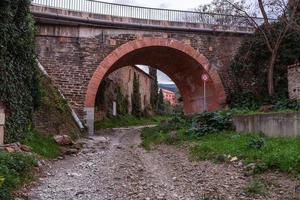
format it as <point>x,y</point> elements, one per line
<point>182,63</point>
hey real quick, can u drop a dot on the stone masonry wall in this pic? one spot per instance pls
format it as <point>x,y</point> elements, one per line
<point>294,81</point>
<point>124,78</point>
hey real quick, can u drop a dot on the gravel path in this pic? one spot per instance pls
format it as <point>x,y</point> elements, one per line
<point>119,170</point>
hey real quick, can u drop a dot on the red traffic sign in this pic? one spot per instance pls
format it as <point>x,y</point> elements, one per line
<point>204,77</point>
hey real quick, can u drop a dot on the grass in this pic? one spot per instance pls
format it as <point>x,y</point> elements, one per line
<point>152,136</point>
<point>44,146</point>
<point>128,120</point>
<point>277,153</point>
<point>268,153</point>
<point>15,169</point>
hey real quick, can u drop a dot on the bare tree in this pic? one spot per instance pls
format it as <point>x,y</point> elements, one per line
<point>223,13</point>
<point>269,9</point>
<point>295,20</point>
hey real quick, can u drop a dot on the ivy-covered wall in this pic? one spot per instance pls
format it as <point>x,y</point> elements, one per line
<point>18,72</point>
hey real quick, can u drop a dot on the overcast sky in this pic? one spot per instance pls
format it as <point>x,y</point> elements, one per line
<point>171,4</point>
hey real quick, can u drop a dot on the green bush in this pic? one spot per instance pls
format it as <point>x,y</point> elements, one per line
<point>257,143</point>
<point>14,169</point>
<point>287,104</point>
<point>211,122</point>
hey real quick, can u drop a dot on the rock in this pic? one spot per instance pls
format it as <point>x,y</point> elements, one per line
<point>10,149</point>
<point>173,135</point>
<point>13,147</point>
<point>74,174</point>
<point>266,108</point>
<point>79,193</point>
<point>25,148</point>
<point>68,151</point>
<point>41,163</point>
<point>101,140</point>
<point>297,192</point>
<point>77,146</point>
<point>72,151</point>
<point>63,140</point>
<point>250,166</point>
<point>221,158</point>
<point>234,159</point>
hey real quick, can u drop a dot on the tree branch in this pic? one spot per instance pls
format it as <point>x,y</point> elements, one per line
<point>254,24</point>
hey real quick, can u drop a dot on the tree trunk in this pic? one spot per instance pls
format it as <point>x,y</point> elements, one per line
<point>271,73</point>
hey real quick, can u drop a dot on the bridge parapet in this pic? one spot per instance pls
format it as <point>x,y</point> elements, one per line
<point>117,15</point>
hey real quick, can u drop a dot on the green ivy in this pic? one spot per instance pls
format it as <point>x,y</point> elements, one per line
<point>18,68</point>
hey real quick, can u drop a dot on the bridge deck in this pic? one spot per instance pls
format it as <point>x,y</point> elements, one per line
<point>118,16</point>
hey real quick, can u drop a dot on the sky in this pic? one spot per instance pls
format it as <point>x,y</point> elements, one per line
<point>170,4</point>
<point>161,77</point>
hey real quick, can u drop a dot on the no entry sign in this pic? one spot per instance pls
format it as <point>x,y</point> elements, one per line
<point>205,77</point>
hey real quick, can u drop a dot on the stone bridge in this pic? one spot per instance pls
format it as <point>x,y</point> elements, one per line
<point>79,44</point>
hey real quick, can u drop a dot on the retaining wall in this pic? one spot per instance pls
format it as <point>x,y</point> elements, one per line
<point>271,124</point>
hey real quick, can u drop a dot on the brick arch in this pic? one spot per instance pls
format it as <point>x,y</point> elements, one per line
<point>115,56</point>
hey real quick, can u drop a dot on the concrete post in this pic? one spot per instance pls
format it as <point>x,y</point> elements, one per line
<point>2,122</point>
<point>89,119</point>
<point>114,108</point>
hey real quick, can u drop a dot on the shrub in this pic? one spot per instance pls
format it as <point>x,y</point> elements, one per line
<point>257,143</point>
<point>211,122</point>
<point>287,104</point>
<point>14,169</point>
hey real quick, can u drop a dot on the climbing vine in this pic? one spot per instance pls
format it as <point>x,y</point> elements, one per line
<point>18,69</point>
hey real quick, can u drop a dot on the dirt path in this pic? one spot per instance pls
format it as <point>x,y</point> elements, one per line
<point>119,170</point>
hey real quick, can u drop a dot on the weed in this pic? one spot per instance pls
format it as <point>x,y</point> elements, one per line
<point>256,187</point>
<point>210,197</point>
<point>14,171</point>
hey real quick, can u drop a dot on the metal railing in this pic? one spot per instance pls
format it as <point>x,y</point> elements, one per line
<point>138,12</point>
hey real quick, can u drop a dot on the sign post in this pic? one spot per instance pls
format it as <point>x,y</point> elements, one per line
<point>204,78</point>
